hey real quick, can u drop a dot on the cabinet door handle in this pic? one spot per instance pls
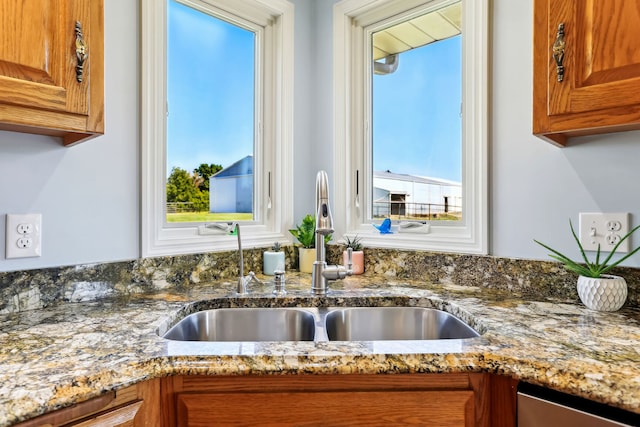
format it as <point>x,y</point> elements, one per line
<point>558,51</point>
<point>81,52</point>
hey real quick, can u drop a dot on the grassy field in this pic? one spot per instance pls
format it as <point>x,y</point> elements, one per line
<point>218,217</point>
<point>451,216</point>
<point>208,217</point>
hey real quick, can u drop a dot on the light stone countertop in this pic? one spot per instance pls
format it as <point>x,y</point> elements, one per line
<point>71,352</point>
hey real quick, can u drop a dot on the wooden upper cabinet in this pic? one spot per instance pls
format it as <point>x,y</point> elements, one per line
<point>599,91</point>
<point>44,87</point>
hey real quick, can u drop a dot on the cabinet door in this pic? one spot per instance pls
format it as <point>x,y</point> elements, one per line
<point>36,68</point>
<point>120,417</point>
<point>597,87</point>
<point>44,87</point>
<point>455,399</point>
<point>134,406</point>
<point>336,408</point>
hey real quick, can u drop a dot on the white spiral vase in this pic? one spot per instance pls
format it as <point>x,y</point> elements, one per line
<point>606,293</point>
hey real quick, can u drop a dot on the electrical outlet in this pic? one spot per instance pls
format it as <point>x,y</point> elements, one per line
<point>604,229</point>
<point>25,228</point>
<point>23,236</point>
<point>24,242</point>
<point>613,225</point>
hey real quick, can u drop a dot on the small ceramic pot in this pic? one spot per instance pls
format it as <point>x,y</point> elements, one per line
<point>272,261</point>
<point>606,293</point>
<point>306,258</point>
<point>357,260</point>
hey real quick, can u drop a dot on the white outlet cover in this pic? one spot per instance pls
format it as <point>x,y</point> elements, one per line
<point>594,230</point>
<point>15,227</point>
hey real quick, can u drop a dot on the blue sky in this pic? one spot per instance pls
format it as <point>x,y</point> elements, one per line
<point>417,123</point>
<point>208,123</point>
<point>416,113</point>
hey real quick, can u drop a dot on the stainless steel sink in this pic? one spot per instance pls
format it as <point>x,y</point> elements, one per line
<point>394,323</point>
<point>245,324</point>
<point>320,324</point>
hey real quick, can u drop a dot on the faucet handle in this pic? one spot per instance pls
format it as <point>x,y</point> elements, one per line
<point>252,278</point>
<point>244,281</point>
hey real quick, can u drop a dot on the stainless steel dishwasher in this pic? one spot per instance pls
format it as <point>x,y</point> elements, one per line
<point>540,407</point>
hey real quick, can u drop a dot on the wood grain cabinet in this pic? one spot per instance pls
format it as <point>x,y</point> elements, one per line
<point>446,400</point>
<point>52,68</point>
<point>134,406</point>
<point>586,68</point>
<point>461,400</point>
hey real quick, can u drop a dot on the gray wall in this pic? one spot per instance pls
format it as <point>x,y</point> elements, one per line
<point>313,113</point>
<point>89,194</point>
<point>535,187</point>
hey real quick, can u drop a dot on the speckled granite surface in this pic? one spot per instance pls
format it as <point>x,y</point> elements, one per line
<point>70,352</point>
<point>35,289</point>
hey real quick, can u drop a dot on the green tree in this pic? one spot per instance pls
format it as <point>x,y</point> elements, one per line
<point>204,171</point>
<point>201,201</point>
<point>184,187</point>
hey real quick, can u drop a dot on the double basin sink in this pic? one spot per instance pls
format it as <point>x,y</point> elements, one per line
<point>320,324</point>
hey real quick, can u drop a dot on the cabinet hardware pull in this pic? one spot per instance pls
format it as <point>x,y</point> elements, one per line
<point>558,51</point>
<point>81,52</point>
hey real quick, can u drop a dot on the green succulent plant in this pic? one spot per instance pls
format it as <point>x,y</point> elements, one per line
<point>590,269</point>
<point>353,242</point>
<point>305,233</point>
<point>276,247</point>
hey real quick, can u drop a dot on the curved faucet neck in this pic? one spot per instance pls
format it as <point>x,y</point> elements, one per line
<point>322,273</point>
<point>324,219</point>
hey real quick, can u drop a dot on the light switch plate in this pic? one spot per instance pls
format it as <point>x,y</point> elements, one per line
<point>604,229</point>
<point>23,236</point>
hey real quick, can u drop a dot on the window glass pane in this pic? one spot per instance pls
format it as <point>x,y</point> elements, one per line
<point>211,117</point>
<point>417,123</point>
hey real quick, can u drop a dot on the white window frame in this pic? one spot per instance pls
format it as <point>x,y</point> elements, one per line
<point>352,75</point>
<point>273,206</point>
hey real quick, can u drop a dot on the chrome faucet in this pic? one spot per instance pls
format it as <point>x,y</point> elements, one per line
<point>232,228</point>
<point>322,272</point>
<point>243,280</point>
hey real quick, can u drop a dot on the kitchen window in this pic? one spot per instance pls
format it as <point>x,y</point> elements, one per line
<point>213,71</point>
<point>216,123</point>
<point>410,86</point>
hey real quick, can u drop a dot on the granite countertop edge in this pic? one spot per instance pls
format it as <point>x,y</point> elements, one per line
<point>68,353</point>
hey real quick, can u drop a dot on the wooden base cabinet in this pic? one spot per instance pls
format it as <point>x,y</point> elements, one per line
<point>463,400</point>
<point>52,68</point>
<point>444,400</point>
<point>586,68</point>
<point>135,406</point>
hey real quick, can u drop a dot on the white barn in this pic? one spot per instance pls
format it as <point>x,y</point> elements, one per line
<point>231,189</point>
<point>414,196</point>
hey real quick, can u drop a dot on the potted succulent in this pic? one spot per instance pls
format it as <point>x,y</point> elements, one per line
<point>305,233</point>
<point>273,260</point>
<point>597,289</point>
<point>357,256</point>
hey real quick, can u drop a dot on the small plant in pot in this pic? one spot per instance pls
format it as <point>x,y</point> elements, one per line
<point>305,233</point>
<point>597,289</point>
<point>357,255</point>
<point>273,260</point>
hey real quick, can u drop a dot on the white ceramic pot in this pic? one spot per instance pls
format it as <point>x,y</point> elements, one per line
<point>357,260</point>
<point>272,261</point>
<point>306,258</point>
<point>606,293</point>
